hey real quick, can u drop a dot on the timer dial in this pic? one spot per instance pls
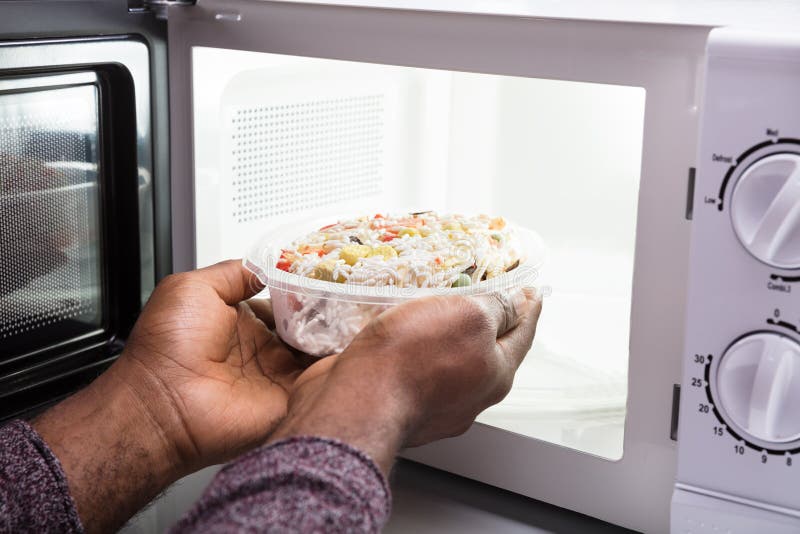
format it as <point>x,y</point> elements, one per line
<point>765,209</point>
<point>757,385</point>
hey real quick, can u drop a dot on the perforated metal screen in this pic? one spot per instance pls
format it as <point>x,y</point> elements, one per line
<point>49,209</point>
<point>289,158</point>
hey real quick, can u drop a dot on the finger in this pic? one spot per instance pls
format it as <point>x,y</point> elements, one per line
<point>516,343</point>
<point>503,308</point>
<point>262,307</point>
<point>231,280</point>
<point>269,354</point>
<point>279,363</point>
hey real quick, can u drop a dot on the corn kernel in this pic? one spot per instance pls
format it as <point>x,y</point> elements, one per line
<point>384,250</point>
<point>352,253</point>
<point>411,232</point>
<point>452,225</point>
<point>324,271</point>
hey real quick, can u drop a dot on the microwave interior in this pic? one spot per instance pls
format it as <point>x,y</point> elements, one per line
<point>277,136</point>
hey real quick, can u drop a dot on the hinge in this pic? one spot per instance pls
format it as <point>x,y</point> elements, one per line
<point>159,8</point>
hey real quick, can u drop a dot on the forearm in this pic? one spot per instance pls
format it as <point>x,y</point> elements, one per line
<point>115,458</point>
<point>332,482</point>
<point>302,484</point>
<point>373,419</point>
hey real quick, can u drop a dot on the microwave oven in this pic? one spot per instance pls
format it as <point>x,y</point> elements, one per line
<point>655,147</point>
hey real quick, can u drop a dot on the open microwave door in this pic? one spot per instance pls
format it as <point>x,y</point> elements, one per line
<point>584,131</point>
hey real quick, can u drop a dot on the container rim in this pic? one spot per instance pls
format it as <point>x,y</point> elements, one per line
<point>262,259</point>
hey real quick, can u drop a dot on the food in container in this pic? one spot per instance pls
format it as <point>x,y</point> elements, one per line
<point>328,282</point>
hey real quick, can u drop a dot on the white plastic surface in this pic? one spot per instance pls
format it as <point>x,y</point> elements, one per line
<point>748,13</point>
<point>758,382</point>
<point>696,513</point>
<point>565,158</point>
<point>766,210</point>
<point>440,148</point>
<point>738,391</point>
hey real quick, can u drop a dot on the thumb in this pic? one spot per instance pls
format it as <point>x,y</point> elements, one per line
<point>231,280</point>
<point>504,308</point>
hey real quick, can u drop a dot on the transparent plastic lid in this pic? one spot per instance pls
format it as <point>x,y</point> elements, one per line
<point>264,255</point>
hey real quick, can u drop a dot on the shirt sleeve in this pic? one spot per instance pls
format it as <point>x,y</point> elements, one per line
<point>34,496</point>
<point>301,484</point>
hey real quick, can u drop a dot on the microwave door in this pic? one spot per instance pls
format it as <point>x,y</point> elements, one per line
<point>583,131</point>
<point>76,243</point>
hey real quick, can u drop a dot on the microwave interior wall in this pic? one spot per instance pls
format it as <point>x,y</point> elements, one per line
<point>278,137</point>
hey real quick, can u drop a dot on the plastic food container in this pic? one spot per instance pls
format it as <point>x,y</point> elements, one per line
<point>322,318</point>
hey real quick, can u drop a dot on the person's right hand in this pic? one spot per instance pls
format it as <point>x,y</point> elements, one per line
<point>417,373</point>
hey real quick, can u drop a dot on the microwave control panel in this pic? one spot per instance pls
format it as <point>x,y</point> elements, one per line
<point>739,427</point>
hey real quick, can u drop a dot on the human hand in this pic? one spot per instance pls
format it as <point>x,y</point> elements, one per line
<point>213,375</point>
<point>201,379</point>
<point>418,372</point>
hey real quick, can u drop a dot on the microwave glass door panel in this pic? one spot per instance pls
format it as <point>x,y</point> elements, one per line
<point>50,248</point>
<point>277,136</point>
<point>76,211</point>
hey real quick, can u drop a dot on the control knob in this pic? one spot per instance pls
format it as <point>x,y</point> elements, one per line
<point>757,385</point>
<point>765,209</point>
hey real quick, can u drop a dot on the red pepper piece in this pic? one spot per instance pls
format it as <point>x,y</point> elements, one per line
<point>285,262</point>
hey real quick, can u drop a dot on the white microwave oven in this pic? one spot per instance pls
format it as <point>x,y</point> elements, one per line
<point>655,148</point>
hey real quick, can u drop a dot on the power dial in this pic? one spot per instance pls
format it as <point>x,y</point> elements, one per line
<point>765,209</point>
<point>756,385</point>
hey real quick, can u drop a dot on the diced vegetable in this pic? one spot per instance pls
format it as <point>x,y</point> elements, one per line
<point>498,223</point>
<point>307,249</point>
<point>411,222</point>
<point>420,249</point>
<point>284,263</point>
<point>411,232</point>
<point>352,253</point>
<point>463,280</point>
<point>324,271</point>
<point>385,251</point>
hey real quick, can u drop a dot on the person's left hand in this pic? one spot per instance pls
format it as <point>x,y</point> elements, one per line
<point>216,379</point>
